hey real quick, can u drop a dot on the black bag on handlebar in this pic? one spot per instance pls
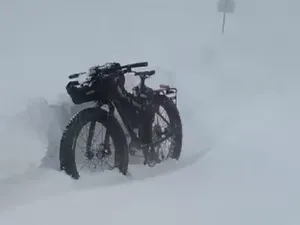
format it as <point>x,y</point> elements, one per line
<point>81,93</point>
<point>94,88</point>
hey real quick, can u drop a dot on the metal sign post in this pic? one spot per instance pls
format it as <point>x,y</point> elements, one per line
<point>225,6</point>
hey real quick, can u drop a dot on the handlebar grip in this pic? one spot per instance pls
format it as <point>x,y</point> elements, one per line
<point>140,64</point>
<point>75,75</point>
<point>135,65</point>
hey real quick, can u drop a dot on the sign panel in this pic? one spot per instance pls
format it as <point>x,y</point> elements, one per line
<point>226,6</point>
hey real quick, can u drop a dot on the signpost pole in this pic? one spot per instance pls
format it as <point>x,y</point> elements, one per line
<point>225,6</point>
<point>224,20</point>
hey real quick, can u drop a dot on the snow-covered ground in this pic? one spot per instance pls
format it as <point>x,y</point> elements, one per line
<point>238,97</point>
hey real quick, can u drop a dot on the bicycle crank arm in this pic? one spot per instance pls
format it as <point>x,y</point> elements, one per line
<point>159,141</point>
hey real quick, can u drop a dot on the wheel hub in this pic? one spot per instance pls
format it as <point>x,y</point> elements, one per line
<point>103,153</point>
<point>89,155</point>
<point>100,153</point>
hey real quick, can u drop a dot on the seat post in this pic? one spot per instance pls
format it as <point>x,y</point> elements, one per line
<point>143,78</point>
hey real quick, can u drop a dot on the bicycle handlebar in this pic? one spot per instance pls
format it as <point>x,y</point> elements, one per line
<point>113,67</point>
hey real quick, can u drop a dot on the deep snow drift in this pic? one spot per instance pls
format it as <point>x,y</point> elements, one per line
<point>238,96</point>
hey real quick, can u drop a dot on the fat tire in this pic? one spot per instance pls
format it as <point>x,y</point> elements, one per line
<point>71,132</point>
<point>175,122</point>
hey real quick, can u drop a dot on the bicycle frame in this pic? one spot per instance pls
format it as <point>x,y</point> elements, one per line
<point>125,121</point>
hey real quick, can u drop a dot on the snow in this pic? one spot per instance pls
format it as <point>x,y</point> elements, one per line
<point>238,97</point>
